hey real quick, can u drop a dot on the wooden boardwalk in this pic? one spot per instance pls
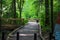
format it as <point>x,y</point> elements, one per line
<point>26,33</point>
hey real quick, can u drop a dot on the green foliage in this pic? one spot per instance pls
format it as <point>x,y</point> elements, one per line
<point>30,9</point>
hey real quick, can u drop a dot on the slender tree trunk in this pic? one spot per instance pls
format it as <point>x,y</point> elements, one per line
<point>0,12</point>
<point>46,12</point>
<point>14,7</point>
<point>19,6</point>
<point>14,10</point>
<point>52,24</point>
<point>20,9</point>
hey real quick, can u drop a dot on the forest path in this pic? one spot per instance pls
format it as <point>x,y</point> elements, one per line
<point>26,33</point>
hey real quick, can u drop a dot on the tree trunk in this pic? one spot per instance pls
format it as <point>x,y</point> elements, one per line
<point>14,7</point>
<point>46,12</point>
<point>20,9</point>
<point>14,10</point>
<point>0,12</point>
<point>52,24</point>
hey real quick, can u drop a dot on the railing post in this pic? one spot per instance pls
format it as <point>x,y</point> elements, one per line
<point>17,38</point>
<point>35,36</point>
<point>50,36</point>
<point>3,36</point>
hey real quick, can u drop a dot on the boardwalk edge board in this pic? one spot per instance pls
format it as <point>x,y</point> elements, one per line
<point>14,31</point>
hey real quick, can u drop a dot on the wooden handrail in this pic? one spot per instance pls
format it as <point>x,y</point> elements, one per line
<point>11,19</point>
<point>9,25</point>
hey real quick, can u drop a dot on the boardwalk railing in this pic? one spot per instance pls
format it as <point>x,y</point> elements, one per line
<point>11,23</point>
<point>17,36</point>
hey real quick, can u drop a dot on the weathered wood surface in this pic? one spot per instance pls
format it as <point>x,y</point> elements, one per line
<point>26,33</point>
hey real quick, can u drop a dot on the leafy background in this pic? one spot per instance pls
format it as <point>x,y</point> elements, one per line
<point>30,9</point>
